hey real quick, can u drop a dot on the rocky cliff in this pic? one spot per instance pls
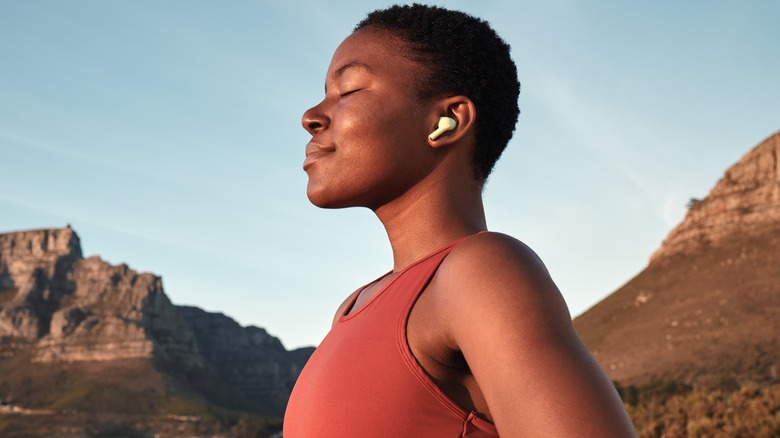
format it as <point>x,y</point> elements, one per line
<point>245,357</point>
<point>745,201</point>
<point>707,307</point>
<point>58,307</point>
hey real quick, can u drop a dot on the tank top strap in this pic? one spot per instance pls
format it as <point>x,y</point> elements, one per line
<point>406,285</point>
<point>413,279</point>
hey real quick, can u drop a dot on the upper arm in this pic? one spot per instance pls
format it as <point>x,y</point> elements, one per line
<point>509,320</point>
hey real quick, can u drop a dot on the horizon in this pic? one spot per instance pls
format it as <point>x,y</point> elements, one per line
<point>168,136</point>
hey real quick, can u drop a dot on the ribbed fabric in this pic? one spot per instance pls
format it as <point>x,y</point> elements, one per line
<point>363,381</point>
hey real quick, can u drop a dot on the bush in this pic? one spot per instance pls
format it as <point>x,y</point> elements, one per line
<point>674,409</point>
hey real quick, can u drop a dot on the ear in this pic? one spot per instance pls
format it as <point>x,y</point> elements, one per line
<point>460,108</point>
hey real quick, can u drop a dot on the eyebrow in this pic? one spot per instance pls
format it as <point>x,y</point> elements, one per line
<point>350,65</point>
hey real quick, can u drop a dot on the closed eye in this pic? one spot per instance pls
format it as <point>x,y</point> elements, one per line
<point>345,94</point>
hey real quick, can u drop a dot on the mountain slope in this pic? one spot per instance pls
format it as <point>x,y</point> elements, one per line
<point>707,307</point>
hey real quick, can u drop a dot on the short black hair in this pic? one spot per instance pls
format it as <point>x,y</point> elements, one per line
<point>463,56</point>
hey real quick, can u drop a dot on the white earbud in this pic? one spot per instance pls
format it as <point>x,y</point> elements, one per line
<point>445,124</point>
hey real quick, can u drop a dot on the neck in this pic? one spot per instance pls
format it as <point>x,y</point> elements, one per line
<point>429,217</point>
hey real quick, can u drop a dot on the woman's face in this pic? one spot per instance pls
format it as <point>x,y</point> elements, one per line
<point>369,133</point>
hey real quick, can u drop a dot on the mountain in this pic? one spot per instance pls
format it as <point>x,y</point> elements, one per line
<point>80,333</point>
<point>706,309</point>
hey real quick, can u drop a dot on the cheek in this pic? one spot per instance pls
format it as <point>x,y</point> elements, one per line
<point>361,135</point>
<point>386,121</point>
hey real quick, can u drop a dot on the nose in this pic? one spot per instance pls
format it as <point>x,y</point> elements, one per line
<point>314,120</point>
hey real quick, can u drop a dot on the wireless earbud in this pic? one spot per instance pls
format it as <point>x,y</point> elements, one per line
<point>445,124</point>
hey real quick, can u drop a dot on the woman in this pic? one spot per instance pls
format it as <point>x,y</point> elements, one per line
<point>467,335</point>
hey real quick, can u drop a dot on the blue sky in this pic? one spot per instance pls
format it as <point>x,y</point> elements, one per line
<point>168,135</point>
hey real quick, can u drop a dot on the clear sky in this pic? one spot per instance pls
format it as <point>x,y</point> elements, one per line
<point>167,133</point>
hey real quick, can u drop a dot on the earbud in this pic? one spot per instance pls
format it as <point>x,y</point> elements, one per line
<point>445,124</point>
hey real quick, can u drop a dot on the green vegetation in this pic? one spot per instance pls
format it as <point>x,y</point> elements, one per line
<point>124,398</point>
<point>673,409</point>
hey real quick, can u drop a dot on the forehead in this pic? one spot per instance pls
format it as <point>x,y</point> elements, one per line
<point>377,51</point>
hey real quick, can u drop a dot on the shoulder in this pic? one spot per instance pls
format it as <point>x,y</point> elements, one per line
<point>497,278</point>
<point>496,266</point>
<point>496,251</point>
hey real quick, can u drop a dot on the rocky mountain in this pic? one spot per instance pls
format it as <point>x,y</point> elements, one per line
<point>58,308</point>
<point>707,307</point>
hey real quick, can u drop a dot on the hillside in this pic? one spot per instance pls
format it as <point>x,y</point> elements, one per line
<point>707,307</point>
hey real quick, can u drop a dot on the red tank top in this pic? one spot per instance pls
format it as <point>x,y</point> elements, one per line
<point>363,381</point>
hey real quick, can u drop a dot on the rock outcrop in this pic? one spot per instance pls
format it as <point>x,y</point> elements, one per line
<point>58,307</point>
<point>34,278</point>
<point>74,309</point>
<point>745,201</point>
<point>707,307</point>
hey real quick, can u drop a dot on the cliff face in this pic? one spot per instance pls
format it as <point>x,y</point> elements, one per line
<point>246,357</point>
<point>58,307</point>
<point>68,308</point>
<point>34,268</point>
<point>745,201</point>
<point>707,307</point>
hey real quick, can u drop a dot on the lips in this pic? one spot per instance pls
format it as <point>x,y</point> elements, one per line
<point>315,151</point>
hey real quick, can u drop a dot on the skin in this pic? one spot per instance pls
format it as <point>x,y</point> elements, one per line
<point>491,329</point>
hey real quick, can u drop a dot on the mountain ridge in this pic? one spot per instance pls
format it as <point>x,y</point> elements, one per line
<point>57,307</point>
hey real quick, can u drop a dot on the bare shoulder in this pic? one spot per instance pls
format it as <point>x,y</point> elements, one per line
<point>497,272</point>
<point>491,248</point>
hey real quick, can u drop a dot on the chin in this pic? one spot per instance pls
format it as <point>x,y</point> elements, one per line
<point>323,200</point>
<point>327,194</point>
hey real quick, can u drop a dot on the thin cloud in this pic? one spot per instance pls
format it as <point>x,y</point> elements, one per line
<point>22,140</point>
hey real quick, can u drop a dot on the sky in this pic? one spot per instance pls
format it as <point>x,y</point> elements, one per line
<point>168,135</point>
